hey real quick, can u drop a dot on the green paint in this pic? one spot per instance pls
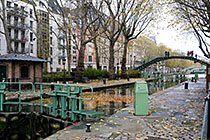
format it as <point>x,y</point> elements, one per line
<point>141,98</point>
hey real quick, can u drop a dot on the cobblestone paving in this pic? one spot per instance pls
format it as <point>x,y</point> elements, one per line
<point>175,113</point>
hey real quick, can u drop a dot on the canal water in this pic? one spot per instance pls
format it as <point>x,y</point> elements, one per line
<point>34,127</point>
<point>112,100</point>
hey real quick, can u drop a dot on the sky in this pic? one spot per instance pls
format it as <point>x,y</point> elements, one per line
<point>174,38</point>
<point>177,40</point>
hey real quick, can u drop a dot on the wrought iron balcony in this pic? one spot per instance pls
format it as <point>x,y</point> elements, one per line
<point>20,26</point>
<point>15,38</point>
<point>17,11</point>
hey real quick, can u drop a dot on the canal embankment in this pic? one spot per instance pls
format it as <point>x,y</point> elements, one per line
<point>174,113</point>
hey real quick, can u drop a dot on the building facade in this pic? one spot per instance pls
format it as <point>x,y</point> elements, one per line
<point>43,36</point>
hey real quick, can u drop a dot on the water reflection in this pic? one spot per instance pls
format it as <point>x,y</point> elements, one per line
<point>111,100</point>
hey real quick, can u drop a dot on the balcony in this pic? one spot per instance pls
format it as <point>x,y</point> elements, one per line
<point>16,11</point>
<point>19,26</point>
<point>22,39</point>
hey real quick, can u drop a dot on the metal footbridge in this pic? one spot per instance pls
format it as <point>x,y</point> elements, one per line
<point>161,58</point>
<point>67,99</point>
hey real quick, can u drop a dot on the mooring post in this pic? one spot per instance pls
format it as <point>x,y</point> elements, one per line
<point>2,88</point>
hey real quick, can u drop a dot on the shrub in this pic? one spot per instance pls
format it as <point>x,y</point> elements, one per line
<point>94,73</point>
<point>133,73</point>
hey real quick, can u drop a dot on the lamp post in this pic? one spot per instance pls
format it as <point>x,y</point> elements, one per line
<point>134,62</point>
<point>64,76</point>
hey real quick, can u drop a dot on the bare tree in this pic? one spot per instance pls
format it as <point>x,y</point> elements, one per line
<point>196,17</point>
<point>112,28</point>
<point>84,9</point>
<point>4,23</point>
<point>138,15</point>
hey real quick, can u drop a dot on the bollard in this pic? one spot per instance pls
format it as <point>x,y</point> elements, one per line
<point>88,127</point>
<point>141,98</point>
<point>186,85</point>
<point>104,80</point>
<point>128,78</point>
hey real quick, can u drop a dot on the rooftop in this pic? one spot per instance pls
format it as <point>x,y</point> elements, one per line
<point>20,57</point>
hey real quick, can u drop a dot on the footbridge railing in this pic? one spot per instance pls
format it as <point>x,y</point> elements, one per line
<point>66,99</point>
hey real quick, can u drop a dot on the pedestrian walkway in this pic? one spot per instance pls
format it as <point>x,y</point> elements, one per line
<point>175,113</point>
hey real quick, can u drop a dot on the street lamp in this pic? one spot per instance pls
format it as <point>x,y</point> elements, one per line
<point>64,70</point>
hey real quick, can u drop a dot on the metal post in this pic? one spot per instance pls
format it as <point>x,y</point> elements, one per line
<point>19,95</point>
<point>63,107</point>
<point>64,76</point>
<point>41,107</point>
<point>205,129</point>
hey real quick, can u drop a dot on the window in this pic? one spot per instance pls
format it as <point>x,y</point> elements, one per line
<point>15,5</point>
<point>105,68</point>
<point>90,58</point>
<point>31,13</point>
<point>15,21</point>
<point>51,40</point>
<point>16,47</point>
<point>104,59</point>
<point>8,19</point>
<point>51,28</point>
<point>22,9</point>
<point>9,32</point>
<point>90,49</point>
<point>24,72</point>
<point>41,4</point>
<point>8,4</point>
<point>51,51</point>
<point>31,24</point>
<point>22,47</point>
<point>74,59</point>
<point>16,34</point>
<point>22,35</point>
<point>32,48</point>
<point>58,69</point>
<point>22,21</point>
<point>31,36</point>
<point>74,51</point>
<point>59,61</point>
<point>51,60</point>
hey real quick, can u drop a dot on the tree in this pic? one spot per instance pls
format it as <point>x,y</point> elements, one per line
<point>195,16</point>
<point>84,8</point>
<point>137,16</point>
<point>4,21</point>
<point>112,28</point>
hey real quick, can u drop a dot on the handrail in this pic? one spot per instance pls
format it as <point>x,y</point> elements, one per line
<point>70,85</point>
<point>205,128</point>
<point>19,87</point>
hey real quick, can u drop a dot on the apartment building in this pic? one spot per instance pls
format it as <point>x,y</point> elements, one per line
<point>21,27</point>
<point>43,36</point>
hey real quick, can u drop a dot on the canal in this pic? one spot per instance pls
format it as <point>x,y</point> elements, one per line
<point>112,100</point>
<point>33,126</point>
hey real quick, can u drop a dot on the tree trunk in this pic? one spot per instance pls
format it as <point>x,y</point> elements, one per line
<point>123,66</point>
<point>111,61</point>
<point>80,66</point>
<point>68,50</point>
<point>97,56</point>
<point>9,47</point>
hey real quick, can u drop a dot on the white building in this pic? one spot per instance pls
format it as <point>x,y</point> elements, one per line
<point>42,36</point>
<point>21,28</point>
